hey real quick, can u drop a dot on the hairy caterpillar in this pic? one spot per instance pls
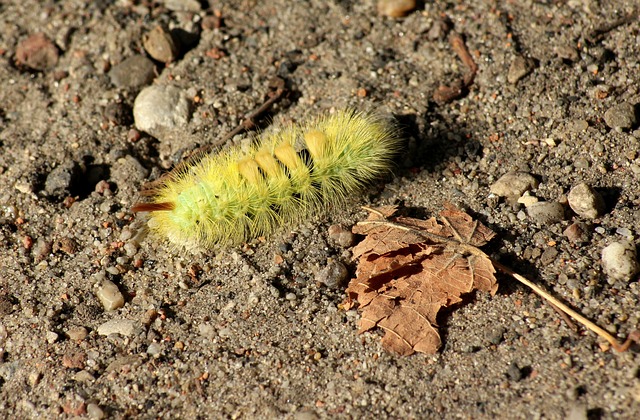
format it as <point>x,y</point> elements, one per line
<point>234,196</point>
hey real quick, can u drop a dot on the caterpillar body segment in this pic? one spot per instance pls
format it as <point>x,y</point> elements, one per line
<point>286,176</point>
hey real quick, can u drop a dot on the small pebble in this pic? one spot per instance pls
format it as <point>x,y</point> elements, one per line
<point>343,237</point>
<point>95,412</point>
<point>134,72</point>
<point>620,261</point>
<point>496,335</point>
<point>148,317</point>
<point>577,126</point>
<point>42,249</point>
<point>83,376</point>
<point>154,349</point>
<point>124,327</point>
<point>37,52</point>
<point>514,373</point>
<point>621,116</point>
<point>333,275</point>
<point>586,201</point>
<point>130,248</point>
<point>117,113</point>
<point>519,68</point>
<point>548,256</point>
<point>567,52</point>
<point>396,8</point>
<point>160,45</point>
<point>77,333</point>
<point>75,360</point>
<point>127,171</point>
<point>206,330</point>
<point>158,108</point>
<point>600,91</point>
<point>577,232</point>
<point>62,179</point>
<point>110,296</point>
<point>624,232</point>
<point>514,184</point>
<point>546,212</point>
<point>577,411</point>
<point>528,200</point>
<point>52,337</point>
<point>34,378</point>
<point>183,5</point>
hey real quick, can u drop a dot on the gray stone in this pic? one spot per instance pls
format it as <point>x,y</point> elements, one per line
<point>183,5</point>
<point>127,172</point>
<point>60,181</point>
<point>343,237</point>
<point>333,275</point>
<point>154,349</point>
<point>134,72</point>
<point>52,337</point>
<point>586,201</point>
<point>620,261</point>
<point>621,116</point>
<point>577,411</point>
<point>519,68</point>
<point>546,212</point>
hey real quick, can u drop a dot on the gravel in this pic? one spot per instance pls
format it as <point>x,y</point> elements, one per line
<point>252,331</point>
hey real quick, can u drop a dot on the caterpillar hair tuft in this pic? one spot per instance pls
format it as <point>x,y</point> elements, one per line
<point>285,176</point>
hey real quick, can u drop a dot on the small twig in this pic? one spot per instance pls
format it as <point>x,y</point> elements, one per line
<point>445,94</point>
<point>634,336</point>
<point>250,121</point>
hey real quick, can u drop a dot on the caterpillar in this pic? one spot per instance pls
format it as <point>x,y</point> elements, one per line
<point>230,197</point>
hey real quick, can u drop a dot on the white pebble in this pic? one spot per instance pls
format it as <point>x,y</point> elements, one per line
<point>528,200</point>
<point>124,327</point>
<point>514,184</point>
<point>52,337</point>
<point>110,296</point>
<point>94,411</point>
<point>158,108</point>
<point>619,261</point>
<point>586,201</point>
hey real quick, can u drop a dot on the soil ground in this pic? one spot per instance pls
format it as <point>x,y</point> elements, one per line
<point>249,332</point>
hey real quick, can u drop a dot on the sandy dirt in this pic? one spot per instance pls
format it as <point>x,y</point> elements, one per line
<point>252,331</point>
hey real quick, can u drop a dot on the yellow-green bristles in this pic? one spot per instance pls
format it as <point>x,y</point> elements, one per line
<point>287,175</point>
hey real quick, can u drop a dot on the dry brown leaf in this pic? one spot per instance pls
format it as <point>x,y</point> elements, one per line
<point>409,269</point>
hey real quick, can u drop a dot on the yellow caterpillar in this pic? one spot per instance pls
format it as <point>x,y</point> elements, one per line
<point>234,196</point>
